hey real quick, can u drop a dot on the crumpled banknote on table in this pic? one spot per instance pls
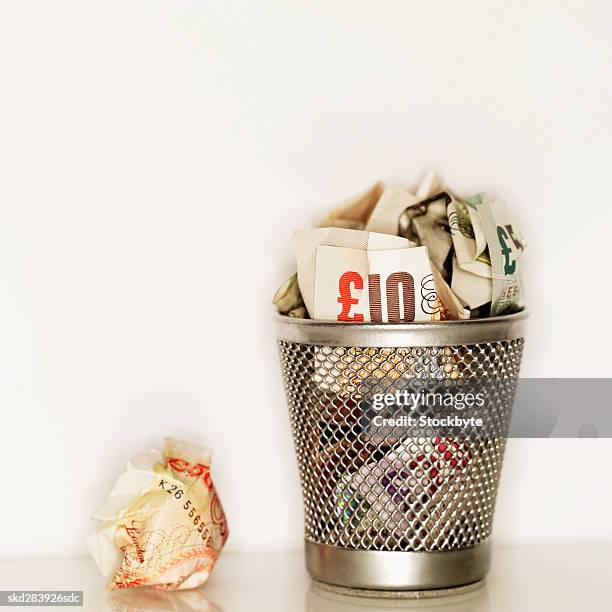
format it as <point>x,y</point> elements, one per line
<point>390,256</point>
<point>163,524</point>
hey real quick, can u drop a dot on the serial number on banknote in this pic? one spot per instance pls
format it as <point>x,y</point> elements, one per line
<point>189,508</point>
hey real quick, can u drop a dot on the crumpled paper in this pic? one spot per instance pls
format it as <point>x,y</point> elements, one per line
<point>163,524</point>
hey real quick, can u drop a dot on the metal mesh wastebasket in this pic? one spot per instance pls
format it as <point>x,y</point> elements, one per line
<point>388,511</point>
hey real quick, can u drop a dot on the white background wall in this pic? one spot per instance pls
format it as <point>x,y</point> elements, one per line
<point>154,157</point>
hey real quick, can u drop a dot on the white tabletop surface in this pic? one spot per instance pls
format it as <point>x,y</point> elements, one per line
<point>576,577</point>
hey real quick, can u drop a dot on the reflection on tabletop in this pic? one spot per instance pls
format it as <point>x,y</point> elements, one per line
<point>321,600</point>
<point>151,600</point>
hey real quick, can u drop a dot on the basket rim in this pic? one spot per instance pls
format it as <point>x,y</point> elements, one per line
<point>418,333</point>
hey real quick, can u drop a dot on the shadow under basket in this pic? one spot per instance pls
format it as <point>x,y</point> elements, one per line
<point>396,511</point>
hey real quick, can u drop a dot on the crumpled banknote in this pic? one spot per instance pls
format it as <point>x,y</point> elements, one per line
<point>354,213</point>
<point>460,259</point>
<point>288,299</point>
<point>163,524</point>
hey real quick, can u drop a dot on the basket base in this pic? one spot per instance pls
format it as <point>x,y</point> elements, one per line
<point>398,595</point>
<point>376,570</point>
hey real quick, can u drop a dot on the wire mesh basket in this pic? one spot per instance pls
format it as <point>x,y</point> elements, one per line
<point>408,509</point>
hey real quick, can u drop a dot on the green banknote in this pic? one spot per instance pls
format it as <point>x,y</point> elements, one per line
<point>505,247</point>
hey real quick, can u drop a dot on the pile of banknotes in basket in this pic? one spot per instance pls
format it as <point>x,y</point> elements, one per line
<point>391,256</point>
